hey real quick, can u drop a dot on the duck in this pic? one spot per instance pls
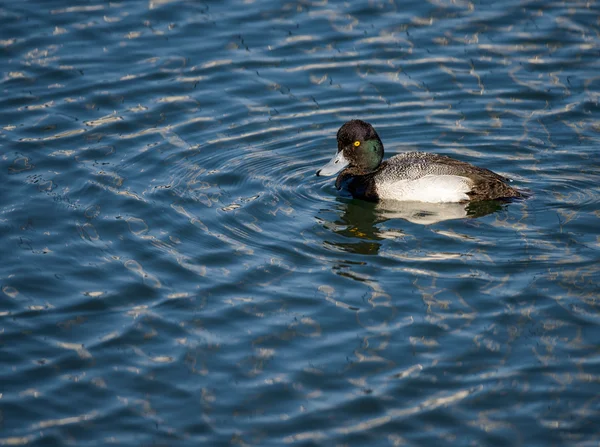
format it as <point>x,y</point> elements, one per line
<point>410,176</point>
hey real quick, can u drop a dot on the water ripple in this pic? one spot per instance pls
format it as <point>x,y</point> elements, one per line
<point>173,262</point>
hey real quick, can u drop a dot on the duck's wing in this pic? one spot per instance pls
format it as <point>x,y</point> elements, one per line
<point>414,165</point>
<point>483,183</point>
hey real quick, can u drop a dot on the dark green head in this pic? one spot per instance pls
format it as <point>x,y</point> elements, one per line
<point>359,148</point>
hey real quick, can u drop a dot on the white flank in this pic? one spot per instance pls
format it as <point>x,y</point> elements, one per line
<point>430,189</point>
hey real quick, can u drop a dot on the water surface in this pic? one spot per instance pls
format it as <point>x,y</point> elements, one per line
<point>173,273</point>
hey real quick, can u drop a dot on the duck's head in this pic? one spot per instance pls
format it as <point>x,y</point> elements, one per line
<point>359,147</point>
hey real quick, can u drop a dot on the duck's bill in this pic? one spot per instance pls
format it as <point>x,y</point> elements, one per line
<point>335,165</point>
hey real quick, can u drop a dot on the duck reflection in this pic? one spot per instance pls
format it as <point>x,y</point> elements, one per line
<point>359,219</point>
<point>430,213</point>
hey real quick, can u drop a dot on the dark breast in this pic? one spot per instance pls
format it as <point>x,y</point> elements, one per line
<point>359,186</point>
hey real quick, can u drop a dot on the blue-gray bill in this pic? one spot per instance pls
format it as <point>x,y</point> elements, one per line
<point>335,165</point>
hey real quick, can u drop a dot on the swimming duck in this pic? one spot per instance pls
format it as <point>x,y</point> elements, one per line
<point>411,176</point>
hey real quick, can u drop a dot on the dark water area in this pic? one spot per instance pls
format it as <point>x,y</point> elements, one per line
<point>174,273</point>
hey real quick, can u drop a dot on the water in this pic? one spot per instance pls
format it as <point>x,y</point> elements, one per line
<point>173,273</point>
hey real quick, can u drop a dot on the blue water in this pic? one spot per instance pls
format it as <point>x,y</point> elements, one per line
<point>173,273</point>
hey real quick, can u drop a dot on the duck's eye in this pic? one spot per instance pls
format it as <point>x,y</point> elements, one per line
<point>356,143</point>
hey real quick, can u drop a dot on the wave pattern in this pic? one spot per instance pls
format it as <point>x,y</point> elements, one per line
<point>173,272</point>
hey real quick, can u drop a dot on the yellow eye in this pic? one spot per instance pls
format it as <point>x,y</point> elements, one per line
<point>356,143</point>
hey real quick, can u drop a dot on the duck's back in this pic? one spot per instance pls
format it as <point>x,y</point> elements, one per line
<point>425,177</point>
